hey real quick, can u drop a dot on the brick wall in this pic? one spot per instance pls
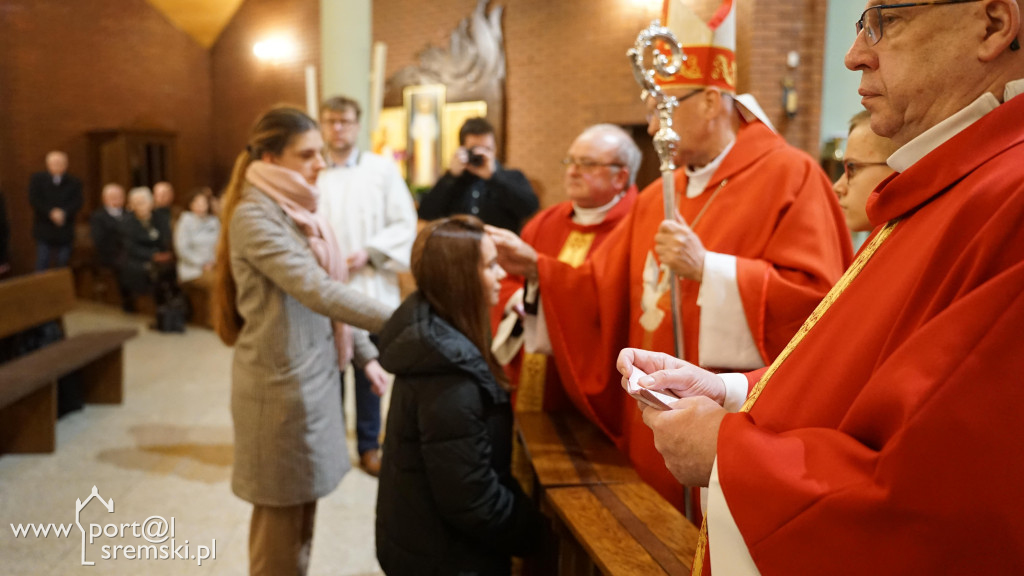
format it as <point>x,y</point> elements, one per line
<point>566,70</point>
<point>784,26</point>
<point>71,67</point>
<point>244,87</point>
<point>567,66</point>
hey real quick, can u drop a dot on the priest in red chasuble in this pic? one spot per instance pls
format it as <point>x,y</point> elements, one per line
<point>600,176</point>
<point>759,240</point>
<point>886,439</point>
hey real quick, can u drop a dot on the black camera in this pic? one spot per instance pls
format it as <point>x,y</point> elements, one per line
<point>476,159</point>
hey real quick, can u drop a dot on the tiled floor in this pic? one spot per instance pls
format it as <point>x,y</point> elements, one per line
<point>165,452</point>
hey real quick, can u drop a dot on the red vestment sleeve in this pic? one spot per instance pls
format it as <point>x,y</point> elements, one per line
<point>590,326</point>
<point>921,476</point>
<point>803,257</point>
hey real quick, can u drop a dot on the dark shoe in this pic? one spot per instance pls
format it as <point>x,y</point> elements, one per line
<point>369,461</point>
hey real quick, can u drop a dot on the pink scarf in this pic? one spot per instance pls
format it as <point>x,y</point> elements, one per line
<point>299,201</point>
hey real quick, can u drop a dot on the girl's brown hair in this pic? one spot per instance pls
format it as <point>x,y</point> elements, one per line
<point>446,266</point>
<point>273,131</point>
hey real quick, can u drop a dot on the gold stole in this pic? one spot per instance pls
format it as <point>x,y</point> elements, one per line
<point>823,306</point>
<point>530,394</point>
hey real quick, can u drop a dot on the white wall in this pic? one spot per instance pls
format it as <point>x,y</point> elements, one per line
<point>839,96</point>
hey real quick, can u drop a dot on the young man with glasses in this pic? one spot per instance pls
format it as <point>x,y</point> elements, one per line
<point>864,167</point>
<point>759,242</point>
<point>368,206</point>
<point>888,440</point>
<point>600,184</point>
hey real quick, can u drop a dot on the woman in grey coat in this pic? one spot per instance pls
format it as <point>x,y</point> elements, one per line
<point>281,301</point>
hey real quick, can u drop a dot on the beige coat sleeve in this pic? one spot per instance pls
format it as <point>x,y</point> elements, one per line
<point>269,247</point>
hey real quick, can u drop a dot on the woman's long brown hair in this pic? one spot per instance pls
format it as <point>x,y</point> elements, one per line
<point>271,134</point>
<point>446,265</point>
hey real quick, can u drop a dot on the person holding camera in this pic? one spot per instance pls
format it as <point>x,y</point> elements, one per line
<point>477,184</point>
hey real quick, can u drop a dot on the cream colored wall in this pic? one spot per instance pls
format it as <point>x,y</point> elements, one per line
<point>346,28</point>
<point>840,100</point>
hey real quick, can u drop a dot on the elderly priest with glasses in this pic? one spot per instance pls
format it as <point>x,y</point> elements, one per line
<point>758,241</point>
<point>600,186</point>
<point>886,439</point>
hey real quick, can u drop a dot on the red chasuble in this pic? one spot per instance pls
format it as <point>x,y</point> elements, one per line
<point>775,211</point>
<point>553,233</point>
<point>889,442</point>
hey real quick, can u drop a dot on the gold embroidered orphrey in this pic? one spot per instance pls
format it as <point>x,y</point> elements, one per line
<point>577,246</point>
<point>826,303</point>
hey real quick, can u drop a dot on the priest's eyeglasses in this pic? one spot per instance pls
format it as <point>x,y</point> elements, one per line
<point>873,19</point>
<point>853,168</point>
<point>587,164</point>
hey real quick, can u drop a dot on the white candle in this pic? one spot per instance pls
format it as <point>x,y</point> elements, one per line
<point>380,51</point>
<point>312,101</point>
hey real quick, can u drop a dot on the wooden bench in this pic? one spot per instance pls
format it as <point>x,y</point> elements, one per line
<point>28,384</point>
<point>605,519</point>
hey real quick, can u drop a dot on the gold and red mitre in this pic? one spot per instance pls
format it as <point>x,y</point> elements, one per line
<point>710,48</point>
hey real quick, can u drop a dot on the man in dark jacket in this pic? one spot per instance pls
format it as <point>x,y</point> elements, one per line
<point>477,184</point>
<point>164,210</point>
<point>56,198</point>
<point>105,225</point>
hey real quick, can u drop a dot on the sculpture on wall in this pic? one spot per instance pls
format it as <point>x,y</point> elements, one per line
<point>471,68</point>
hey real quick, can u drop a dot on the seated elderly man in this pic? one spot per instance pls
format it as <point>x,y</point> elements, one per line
<point>165,213</point>
<point>105,230</point>
<point>600,183</point>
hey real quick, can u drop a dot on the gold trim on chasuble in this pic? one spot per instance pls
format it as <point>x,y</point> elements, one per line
<point>577,246</point>
<point>826,303</point>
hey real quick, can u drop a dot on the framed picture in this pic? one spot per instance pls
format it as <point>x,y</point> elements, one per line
<point>455,114</point>
<point>389,140</point>
<point>424,106</point>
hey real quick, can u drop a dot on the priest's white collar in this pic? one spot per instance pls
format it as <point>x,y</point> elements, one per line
<point>699,177</point>
<point>591,216</point>
<point>937,135</point>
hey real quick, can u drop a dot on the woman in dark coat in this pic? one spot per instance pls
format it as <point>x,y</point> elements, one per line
<point>447,502</point>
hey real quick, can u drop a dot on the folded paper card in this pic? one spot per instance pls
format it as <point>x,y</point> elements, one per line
<point>653,398</point>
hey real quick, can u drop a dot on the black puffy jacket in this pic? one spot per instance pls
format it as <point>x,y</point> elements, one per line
<point>447,502</point>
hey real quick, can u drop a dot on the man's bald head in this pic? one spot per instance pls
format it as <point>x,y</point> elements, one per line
<point>929,62</point>
<point>113,196</point>
<point>163,194</point>
<point>56,163</point>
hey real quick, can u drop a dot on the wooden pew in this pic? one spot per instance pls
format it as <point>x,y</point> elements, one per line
<point>606,520</point>
<point>198,295</point>
<point>565,449</point>
<point>28,384</point>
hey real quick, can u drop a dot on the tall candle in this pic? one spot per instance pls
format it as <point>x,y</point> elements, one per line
<point>312,101</point>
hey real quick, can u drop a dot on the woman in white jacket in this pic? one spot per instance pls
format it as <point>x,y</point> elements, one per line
<point>195,240</point>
